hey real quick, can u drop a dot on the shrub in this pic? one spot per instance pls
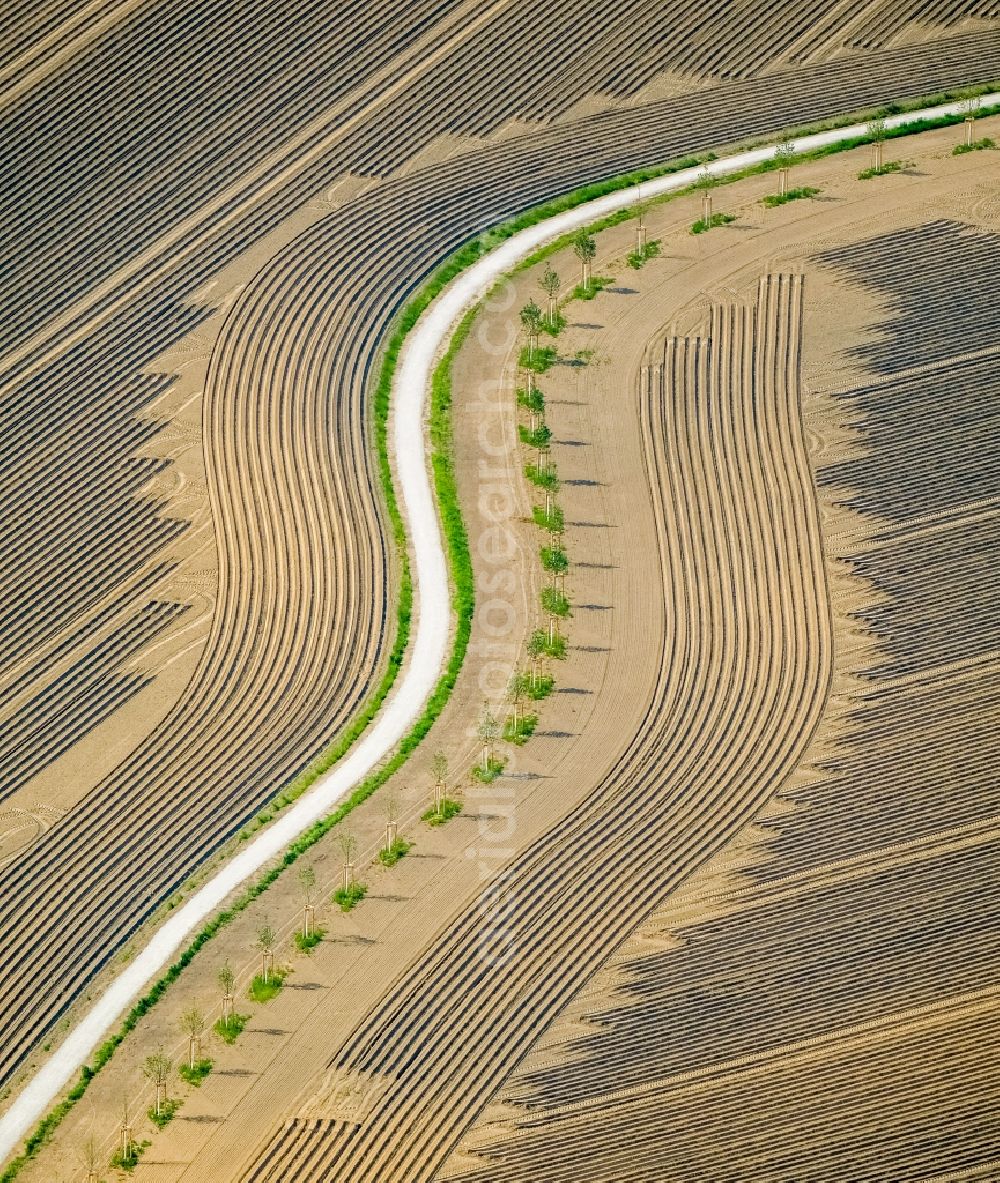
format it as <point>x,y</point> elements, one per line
<point>554,328</point>
<point>229,1031</point>
<point>195,1075</point>
<point>389,856</point>
<point>773,199</point>
<point>444,813</point>
<point>702,225</point>
<point>349,897</point>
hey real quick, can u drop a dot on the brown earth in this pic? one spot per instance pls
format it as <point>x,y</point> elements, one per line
<point>119,268</point>
<point>279,1067</point>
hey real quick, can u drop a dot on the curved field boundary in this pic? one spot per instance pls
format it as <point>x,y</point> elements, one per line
<point>406,709</point>
<point>744,667</point>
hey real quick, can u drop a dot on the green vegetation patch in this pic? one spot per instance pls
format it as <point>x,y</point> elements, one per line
<point>126,1162</point>
<point>229,1030</point>
<point>775,199</point>
<point>982,145</point>
<point>520,732</point>
<point>890,166</point>
<point>534,401</point>
<point>539,359</point>
<point>705,224</point>
<point>349,897</point>
<point>390,855</point>
<point>554,602</point>
<point>555,560</point>
<point>597,284</point>
<point>168,1110</point>
<point>446,810</point>
<point>261,991</point>
<point>539,437</point>
<point>553,521</point>
<point>488,772</point>
<point>637,259</point>
<point>544,478</point>
<point>540,687</point>
<point>195,1073</point>
<point>555,326</point>
<point>306,944</point>
<point>556,647</point>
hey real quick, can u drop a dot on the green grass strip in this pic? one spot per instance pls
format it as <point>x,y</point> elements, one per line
<point>456,539</point>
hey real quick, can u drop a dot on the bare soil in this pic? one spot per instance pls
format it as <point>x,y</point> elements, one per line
<point>278,1068</point>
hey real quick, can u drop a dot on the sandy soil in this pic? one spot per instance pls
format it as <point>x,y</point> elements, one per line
<point>278,1067</point>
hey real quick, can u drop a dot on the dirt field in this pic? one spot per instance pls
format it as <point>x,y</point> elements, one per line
<point>145,238</point>
<point>305,1068</point>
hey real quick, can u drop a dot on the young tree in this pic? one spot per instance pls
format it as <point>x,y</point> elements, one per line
<point>877,131</point>
<point>706,183</point>
<point>515,695</point>
<point>193,1026</point>
<point>641,208</point>
<point>489,733</point>
<point>585,249</point>
<point>126,1130</point>
<point>348,846</point>
<point>970,109</point>
<point>531,319</point>
<point>390,810</point>
<point>551,488</point>
<point>307,885</point>
<point>227,980</point>
<point>550,284</point>
<point>536,650</point>
<point>90,1157</point>
<point>439,770</point>
<point>784,156</point>
<point>267,938</point>
<point>156,1068</point>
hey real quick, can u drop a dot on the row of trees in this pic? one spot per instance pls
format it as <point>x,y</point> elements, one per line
<point>158,1068</point>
